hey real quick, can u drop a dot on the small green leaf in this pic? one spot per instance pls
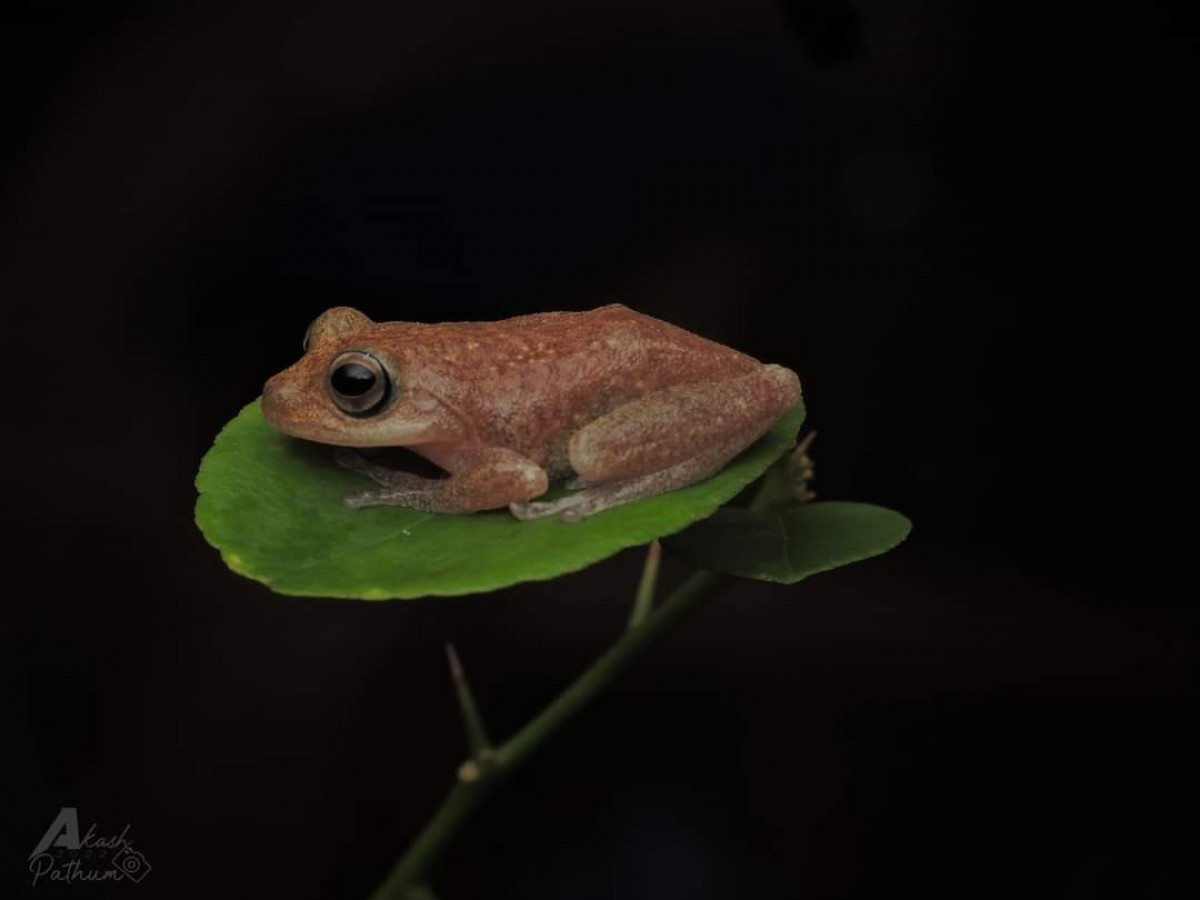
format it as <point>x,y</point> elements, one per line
<point>790,544</point>
<point>272,505</point>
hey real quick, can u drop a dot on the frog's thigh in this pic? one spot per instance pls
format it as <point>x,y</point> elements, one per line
<point>669,440</point>
<point>678,424</point>
<point>480,478</point>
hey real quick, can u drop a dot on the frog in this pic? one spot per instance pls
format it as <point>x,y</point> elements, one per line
<point>616,404</point>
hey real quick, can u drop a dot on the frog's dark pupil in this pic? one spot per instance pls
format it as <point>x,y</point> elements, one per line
<point>352,380</point>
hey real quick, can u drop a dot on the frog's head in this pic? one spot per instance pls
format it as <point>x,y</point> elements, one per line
<point>350,388</point>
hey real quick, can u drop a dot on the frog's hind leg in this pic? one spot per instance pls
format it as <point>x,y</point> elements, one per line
<point>596,497</point>
<point>668,440</point>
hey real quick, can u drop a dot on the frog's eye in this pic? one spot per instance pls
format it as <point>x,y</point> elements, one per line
<point>358,383</point>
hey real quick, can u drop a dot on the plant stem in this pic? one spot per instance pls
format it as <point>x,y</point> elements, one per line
<point>478,777</point>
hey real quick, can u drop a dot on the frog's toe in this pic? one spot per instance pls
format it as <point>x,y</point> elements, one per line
<point>526,510</point>
<point>590,503</point>
<point>360,499</point>
<point>357,499</point>
<point>350,459</point>
<point>541,509</point>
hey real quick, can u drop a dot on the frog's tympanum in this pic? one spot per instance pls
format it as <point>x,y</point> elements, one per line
<point>624,405</point>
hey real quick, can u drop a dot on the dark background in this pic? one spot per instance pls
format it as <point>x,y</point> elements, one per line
<point>969,228</point>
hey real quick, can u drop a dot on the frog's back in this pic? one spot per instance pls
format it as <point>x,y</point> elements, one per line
<point>638,340</point>
<point>609,344</point>
<point>535,379</point>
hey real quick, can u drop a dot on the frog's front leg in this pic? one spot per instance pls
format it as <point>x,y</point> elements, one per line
<point>480,478</point>
<point>381,475</point>
<point>668,439</point>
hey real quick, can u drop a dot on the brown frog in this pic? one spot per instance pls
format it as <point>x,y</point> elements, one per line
<point>626,405</point>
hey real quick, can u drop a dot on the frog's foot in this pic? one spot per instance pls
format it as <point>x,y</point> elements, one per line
<point>381,475</point>
<point>597,497</point>
<point>587,501</point>
<point>541,509</point>
<point>408,498</point>
<point>578,483</point>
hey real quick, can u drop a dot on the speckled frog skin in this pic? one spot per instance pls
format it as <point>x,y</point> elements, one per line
<point>625,405</point>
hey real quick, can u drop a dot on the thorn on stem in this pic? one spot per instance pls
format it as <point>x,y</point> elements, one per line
<point>456,669</point>
<point>477,737</point>
<point>644,601</point>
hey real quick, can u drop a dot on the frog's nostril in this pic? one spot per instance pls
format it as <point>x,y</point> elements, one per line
<point>276,388</point>
<point>274,398</point>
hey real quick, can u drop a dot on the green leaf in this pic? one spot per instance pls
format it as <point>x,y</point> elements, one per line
<point>790,544</point>
<point>272,505</point>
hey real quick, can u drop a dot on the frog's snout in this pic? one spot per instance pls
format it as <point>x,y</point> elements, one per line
<point>275,397</point>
